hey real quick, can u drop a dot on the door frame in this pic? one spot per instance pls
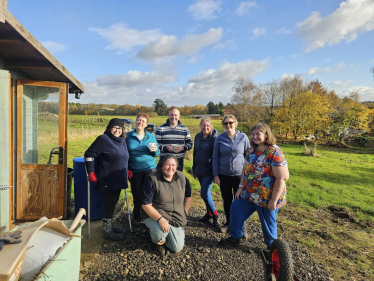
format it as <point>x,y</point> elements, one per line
<point>61,168</point>
<point>11,150</point>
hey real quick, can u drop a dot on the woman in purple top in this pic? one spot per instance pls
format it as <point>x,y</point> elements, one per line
<point>228,160</point>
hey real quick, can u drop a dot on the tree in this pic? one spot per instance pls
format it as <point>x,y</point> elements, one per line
<point>247,102</point>
<point>160,107</point>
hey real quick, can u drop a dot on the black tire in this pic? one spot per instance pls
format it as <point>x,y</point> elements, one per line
<point>282,262</point>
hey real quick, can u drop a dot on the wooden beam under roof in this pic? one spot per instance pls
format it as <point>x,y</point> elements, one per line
<point>11,38</point>
<point>11,20</point>
<point>37,64</point>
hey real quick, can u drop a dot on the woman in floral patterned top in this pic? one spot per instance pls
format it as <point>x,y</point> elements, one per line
<point>262,186</point>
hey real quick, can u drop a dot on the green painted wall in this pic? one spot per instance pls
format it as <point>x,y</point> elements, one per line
<point>4,147</point>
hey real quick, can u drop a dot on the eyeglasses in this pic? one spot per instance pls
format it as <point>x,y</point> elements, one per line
<point>117,128</point>
<point>227,123</point>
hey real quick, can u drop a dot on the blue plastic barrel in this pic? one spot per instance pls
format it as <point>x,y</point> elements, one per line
<point>80,192</point>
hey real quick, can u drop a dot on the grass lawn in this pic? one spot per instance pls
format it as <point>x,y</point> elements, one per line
<point>341,179</point>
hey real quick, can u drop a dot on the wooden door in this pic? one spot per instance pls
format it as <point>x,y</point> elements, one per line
<point>41,149</point>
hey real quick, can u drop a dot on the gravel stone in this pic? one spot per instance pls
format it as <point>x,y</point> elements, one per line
<point>202,257</point>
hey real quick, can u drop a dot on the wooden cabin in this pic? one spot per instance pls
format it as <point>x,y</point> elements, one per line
<point>34,89</point>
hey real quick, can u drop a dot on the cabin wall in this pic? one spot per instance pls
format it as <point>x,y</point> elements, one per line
<point>4,147</point>
<point>4,141</point>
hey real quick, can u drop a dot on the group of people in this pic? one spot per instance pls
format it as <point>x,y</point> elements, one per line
<point>251,175</point>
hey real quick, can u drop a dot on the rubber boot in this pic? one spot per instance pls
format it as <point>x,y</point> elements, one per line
<point>109,234</point>
<point>116,229</point>
<point>206,217</point>
<point>215,221</point>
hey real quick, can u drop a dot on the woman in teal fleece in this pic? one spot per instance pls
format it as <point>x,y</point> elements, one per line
<point>143,149</point>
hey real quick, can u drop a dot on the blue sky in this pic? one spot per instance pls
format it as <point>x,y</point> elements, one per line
<point>191,52</point>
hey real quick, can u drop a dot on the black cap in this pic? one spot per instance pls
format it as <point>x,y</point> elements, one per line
<point>116,122</point>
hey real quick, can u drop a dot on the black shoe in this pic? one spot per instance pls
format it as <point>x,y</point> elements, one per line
<point>159,249</point>
<point>225,228</point>
<point>205,218</point>
<point>215,221</point>
<point>231,241</point>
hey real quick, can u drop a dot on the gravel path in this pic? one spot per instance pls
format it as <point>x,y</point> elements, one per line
<point>202,258</point>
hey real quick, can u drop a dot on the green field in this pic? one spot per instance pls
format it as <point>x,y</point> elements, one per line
<point>342,177</point>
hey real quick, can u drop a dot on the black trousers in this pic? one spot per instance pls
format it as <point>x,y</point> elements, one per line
<point>180,164</point>
<point>137,181</point>
<point>229,184</point>
<point>111,198</point>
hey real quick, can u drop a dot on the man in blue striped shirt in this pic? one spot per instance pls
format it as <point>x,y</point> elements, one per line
<point>173,137</point>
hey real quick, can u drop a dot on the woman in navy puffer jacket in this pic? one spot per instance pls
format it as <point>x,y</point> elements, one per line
<point>106,162</point>
<point>202,166</point>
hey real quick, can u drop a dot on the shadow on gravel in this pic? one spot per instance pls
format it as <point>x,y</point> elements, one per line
<point>202,258</point>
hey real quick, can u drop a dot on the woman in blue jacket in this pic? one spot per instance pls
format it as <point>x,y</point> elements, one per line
<point>106,162</point>
<point>229,152</point>
<point>202,166</point>
<point>143,149</point>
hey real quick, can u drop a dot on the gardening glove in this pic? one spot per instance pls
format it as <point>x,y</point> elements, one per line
<point>129,174</point>
<point>92,177</point>
<point>9,237</point>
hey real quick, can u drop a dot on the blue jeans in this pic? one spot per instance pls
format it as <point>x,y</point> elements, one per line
<point>206,184</point>
<point>242,209</point>
<point>174,238</point>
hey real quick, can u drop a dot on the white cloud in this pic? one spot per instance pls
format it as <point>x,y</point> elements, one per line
<point>168,46</point>
<point>217,84</point>
<point>371,62</point>
<point>143,88</point>
<point>344,24</point>
<point>339,84</point>
<point>228,45</point>
<point>245,7</point>
<point>337,67</point>
<point>54,47</point>
<point>286,76</point>
<point>135,78</point>
<point>230,72</point>
<point>121,37</point>
<point>205,9</point>
<point>294,56</point>
<point>259,31</point>
<point>284,30</point>
<point>194,59</point>
<point>365,93</point>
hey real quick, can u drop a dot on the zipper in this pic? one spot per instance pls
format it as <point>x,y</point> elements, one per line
<point>172,191</point>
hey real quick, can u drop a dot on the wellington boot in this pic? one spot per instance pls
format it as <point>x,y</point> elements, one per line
<point>109,234</point>
<point>116,229</point>
<point>215,221</point>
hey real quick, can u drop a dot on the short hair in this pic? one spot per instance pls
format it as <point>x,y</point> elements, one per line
<point>144,115</point>
<point>166,158</point>
<point>172,108</point>
<point>229,116</point>
<point>265,129</point>
<point>207,119</point>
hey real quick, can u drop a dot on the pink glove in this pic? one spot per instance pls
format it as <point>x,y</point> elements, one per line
<point>92,177</point>
<point>129,174</point>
